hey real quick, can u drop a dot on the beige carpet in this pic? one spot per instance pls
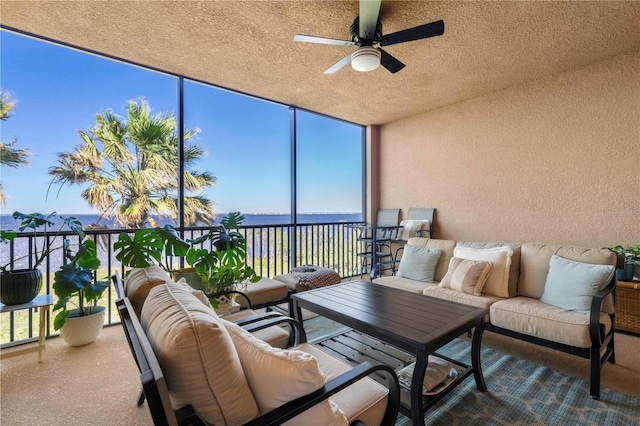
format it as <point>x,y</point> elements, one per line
<point>98,384</point>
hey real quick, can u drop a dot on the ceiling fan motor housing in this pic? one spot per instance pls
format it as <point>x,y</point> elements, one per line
<point>355,34</point>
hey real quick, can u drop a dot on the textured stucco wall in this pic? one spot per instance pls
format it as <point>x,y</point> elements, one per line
<point>554,160</point>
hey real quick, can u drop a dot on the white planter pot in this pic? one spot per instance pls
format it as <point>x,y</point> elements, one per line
<point>79,331</point>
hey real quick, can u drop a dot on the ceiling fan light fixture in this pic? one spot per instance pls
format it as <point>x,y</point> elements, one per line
<point>365,59</point>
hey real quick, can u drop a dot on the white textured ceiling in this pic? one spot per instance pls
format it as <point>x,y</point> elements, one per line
<point>248,45</point>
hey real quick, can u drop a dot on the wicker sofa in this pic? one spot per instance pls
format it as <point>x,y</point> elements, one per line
<point>531,291</point>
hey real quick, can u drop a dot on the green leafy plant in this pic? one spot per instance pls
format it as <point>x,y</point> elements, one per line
<point>150,246</point>
<point>76,278</point>
<point>224,266</point>
<point>34,222</point>
<point>218,256</point>
<point>631,254</point>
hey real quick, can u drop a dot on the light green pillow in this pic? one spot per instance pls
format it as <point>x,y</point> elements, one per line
<point>571,285</point>
<point>418,263</point>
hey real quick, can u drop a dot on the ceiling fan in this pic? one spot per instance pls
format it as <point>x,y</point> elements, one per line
<point>366,32</point>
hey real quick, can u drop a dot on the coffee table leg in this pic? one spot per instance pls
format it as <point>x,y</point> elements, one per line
<point>476,344</point>
<point>417,415</point>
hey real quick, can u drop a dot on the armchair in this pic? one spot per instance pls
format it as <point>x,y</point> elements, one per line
<point>198,369</point>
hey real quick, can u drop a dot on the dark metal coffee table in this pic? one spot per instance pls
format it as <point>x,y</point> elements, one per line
<point>416,324</point>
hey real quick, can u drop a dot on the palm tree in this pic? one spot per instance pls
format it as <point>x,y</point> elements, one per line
<point>9,156</point>
<point>130,168</point>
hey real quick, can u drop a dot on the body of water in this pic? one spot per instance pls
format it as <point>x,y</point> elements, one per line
<point>253,219</point>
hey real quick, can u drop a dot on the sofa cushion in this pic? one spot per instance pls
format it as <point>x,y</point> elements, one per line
<point>514,270</point>
<point>197,356</point>
<point>482,301</point>
<point>534,266</point>
<point>276,336</point>
<point>446,248</point>
<point>498,281</point>
<point>571,285</point>
<point>419,263</point>
<point>277,376</point>
<point>365,400</point>
<point>402,283</point>
<point>533,317</point>
<point>467,276</point>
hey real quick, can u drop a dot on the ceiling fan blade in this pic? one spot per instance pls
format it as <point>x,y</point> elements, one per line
<point>369,11</point>
<point>416,33</point>
<point>322,40</point>
<point>389,62</point>
<point>341,63</point>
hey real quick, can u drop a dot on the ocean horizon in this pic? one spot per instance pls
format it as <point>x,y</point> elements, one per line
<point>251,219</point>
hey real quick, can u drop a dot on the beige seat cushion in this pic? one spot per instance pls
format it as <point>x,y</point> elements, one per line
<point>264,291</point>
<point>277,376</point>
<point>276,336</point>
<point>402,283</point>
<point>533,317</point>
<point>291,281</point>
<point>365,400</point>
<point>197,356</point>
<point>139,283</point>
<point>482,301</point>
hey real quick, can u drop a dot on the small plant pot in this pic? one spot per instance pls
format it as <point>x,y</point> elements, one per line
<point>80,331</point>
<point>20,286</point>
<point>190,276</point>
<point>627,273</point>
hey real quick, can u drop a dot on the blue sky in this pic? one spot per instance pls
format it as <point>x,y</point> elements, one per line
<point>59,91</point>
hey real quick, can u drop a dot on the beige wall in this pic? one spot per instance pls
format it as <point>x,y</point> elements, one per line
<point>554,160</point>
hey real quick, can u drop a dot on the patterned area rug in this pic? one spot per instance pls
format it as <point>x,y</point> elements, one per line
<point>519,392</point>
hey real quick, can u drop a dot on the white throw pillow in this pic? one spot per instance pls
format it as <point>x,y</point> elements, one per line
<point>419,263</point>
<point>498,280</point>
<point>277,376</point>
<point>571,285</point>
<point>197,356</point>
<point>466,276</point>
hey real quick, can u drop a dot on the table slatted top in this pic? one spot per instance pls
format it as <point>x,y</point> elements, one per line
<point>407,319</point>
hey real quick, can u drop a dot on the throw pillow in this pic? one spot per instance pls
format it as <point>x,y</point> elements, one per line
<point>197,356</point>
<point>571,285</point>
<point>418,263</point>
<point>498,280</point>
<point>277,376</point>
<point>467,276</point>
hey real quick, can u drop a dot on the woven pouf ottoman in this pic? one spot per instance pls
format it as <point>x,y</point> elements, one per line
<point>307,277</point>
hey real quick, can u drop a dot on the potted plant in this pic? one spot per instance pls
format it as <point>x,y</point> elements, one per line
<point>75,284</point>
<point>628,260</point>
<point>217,257</point>
<point>22,285</point>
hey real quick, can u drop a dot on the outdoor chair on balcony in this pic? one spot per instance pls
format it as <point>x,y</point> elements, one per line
<point>376,240</point>
<point>196,368</point>
<point>419,223</point>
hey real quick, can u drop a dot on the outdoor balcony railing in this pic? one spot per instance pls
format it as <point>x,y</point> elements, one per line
<point>271,250</point>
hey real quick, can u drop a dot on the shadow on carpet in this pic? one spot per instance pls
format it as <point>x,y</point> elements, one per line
<point>519,392</point>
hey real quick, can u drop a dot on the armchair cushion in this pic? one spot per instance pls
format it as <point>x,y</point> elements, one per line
<point>571,285</point>
<point>197,355</point>
<point>277,376</point>
<point>139,283</point>
<point>467,276</point>
<point>419,263</point>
